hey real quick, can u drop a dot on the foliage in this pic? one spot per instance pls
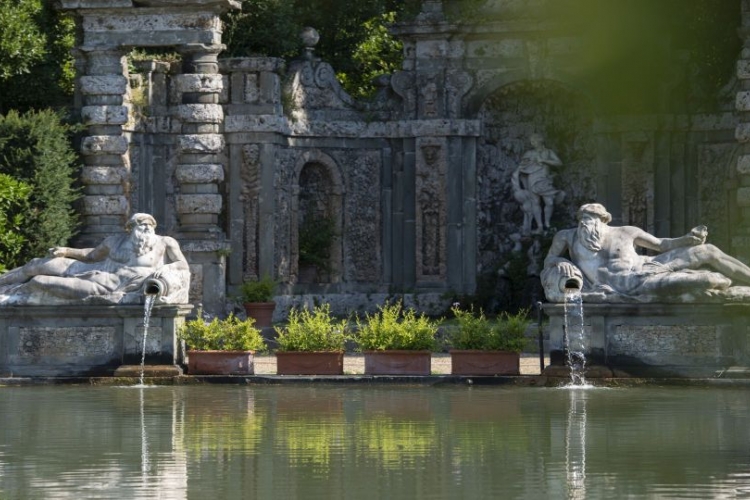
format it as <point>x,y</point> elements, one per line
<point>230,334</point>
<point>316,236</point>
<point>36,64</point>
<point>392,327</point>
<point>353,38</point>
<point>378,53</point>
<point>476,331</point>
<point>265,27</point>
<point>258,290</point>
<point>14,205</point>
<point>314,330</point>
<point>35,149</point>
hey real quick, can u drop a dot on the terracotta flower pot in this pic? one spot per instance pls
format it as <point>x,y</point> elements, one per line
<point>310,363</point>
<point>477,362</point>
<point>221,362</point>
<point>261,312</point>
<point>398,362</point>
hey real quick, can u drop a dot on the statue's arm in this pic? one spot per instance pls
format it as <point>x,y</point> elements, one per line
<point>560,246</point>
<point>176,261</point>
<point>646,240</point>
<point>551,158</point>
<point>95,254</point>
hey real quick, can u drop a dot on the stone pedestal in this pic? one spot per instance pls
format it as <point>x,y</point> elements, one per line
<point>672,340</point>
<point>68,341</point>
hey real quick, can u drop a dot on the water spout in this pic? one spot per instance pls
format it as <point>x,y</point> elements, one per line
<point>573,283</point>
<point>155,287</point>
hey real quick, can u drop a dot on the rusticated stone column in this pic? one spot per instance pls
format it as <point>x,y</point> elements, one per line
<point>106,167</point>
<point>201,145</point>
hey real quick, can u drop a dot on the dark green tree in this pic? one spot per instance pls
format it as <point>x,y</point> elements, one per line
<point>36,66</point>
<point>35,149</point>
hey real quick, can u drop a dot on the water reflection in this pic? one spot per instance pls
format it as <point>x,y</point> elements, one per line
<point>372,442</point>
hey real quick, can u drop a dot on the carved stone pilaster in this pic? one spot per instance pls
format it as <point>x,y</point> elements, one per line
<point>431,211</point>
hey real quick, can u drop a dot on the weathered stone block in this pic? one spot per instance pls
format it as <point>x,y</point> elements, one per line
<point>200,173</point>
<point>743,165</point>
<point>105,205</point>
<point>104,144</point>
<point>743,69</point>
<point>104,85</point>
<point>103,175</point>
<point>742,132</point>
<point>200,113</point>
<point>198,83</point>
<point>199,203</point>
<point>104,115</point>
<point>201,143</point>
<point>742,101</point>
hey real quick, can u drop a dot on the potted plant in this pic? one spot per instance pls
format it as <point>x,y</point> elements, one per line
<point>311,343</point>
<point>480,346</point>
<point>221,346</point>
<point>257,299</point>
<point>396,341</point>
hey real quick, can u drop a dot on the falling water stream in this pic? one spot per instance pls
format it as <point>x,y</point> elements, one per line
<point>575,341</point>
<point>147,307</point>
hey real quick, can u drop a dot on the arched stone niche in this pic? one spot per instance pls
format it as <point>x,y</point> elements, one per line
<point>317,217</point>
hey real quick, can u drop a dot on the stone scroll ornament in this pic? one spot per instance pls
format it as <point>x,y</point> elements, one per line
<point>122,269</point>
<point>603,264</point>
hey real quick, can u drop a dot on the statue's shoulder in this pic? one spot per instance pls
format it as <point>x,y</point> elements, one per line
<point>566,234</point>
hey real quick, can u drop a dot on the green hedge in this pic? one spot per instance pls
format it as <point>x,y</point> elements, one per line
<point>35,149</point>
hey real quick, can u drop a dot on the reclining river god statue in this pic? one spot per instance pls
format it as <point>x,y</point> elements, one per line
<point>120,270</point>
<point>603,262</point>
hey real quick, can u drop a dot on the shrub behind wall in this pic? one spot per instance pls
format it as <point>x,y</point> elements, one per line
<point>35,148</point>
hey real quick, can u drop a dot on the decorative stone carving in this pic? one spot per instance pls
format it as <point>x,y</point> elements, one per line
<point>430,211</point>
<point>533,186</point>
<point>250,175</point>
<point>603,262</point>
<point>120,270</point>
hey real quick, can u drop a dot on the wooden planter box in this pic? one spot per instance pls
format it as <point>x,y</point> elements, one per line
<point>221,362</point>
<point>398,362</point>
<point>310,363</point>
<point>476,362</point>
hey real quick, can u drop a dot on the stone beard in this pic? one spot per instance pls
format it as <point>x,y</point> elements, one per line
<point>590,234</point>
<point>143,241</point>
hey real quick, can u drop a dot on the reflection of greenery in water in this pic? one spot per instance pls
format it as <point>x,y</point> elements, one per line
<point>310,443</point>
<point>340,442</point>
<point>394,443</point>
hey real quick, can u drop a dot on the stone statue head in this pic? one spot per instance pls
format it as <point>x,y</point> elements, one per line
<point>136,219</point>
<point>536,139</point>
<point>596,209</point>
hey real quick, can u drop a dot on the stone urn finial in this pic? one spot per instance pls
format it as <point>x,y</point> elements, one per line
<point>310,39</point>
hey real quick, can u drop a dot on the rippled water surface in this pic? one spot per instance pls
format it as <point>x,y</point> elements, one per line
<point>361,442</point>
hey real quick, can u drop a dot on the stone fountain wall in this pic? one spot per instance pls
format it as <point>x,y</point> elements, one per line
<point>233,155</point>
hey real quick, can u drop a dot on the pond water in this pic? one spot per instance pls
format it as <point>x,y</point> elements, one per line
<point>389,442</point>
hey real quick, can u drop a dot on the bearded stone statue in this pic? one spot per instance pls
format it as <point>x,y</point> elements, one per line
<point>602,262</point>
<point>120,270</point>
